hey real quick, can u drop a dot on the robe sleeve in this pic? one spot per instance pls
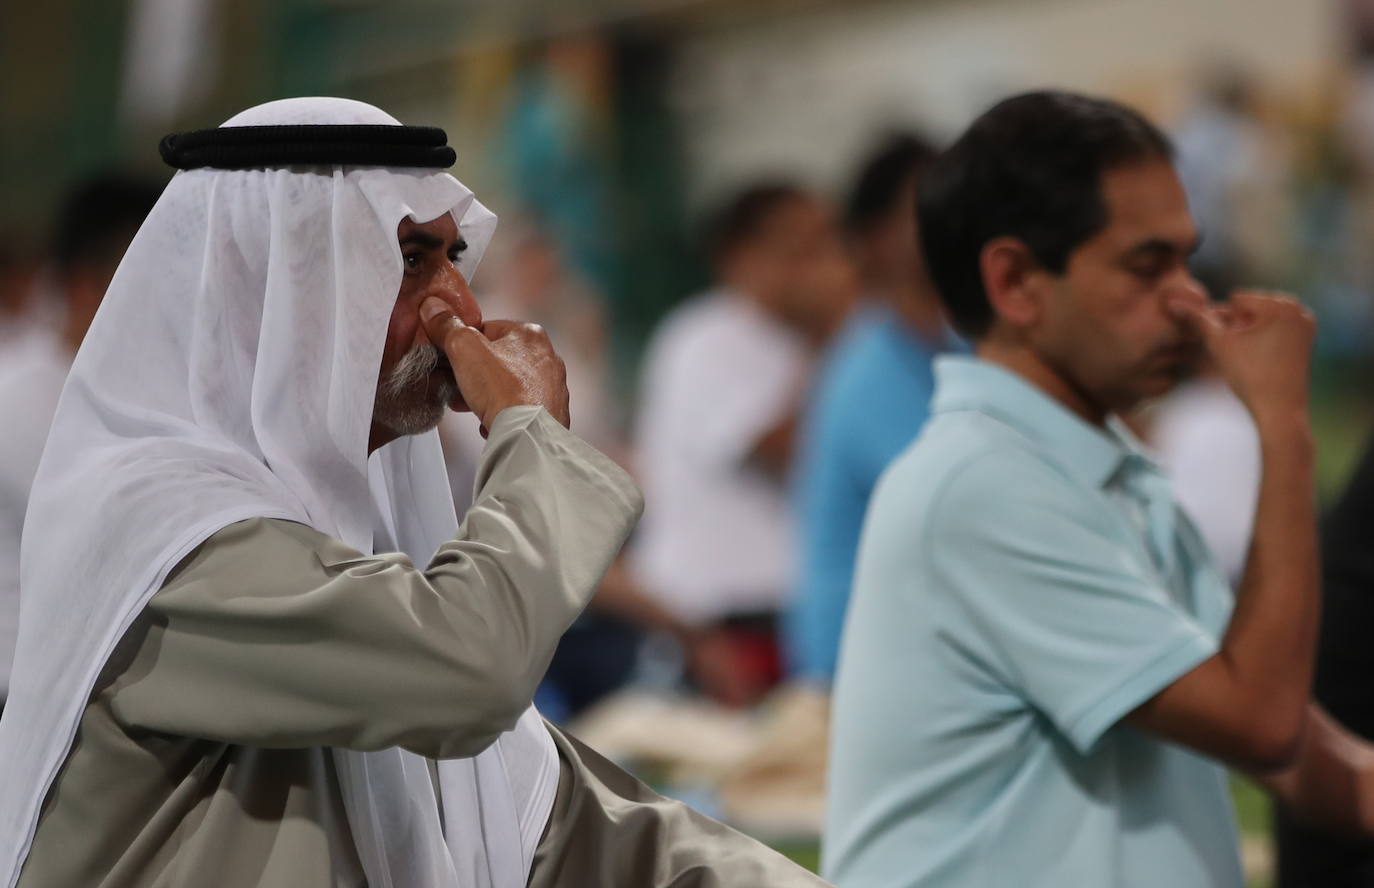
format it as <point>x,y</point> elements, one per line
<point>607,828</point>
<point>272,634</point>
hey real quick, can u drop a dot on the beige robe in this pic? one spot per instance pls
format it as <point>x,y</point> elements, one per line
<point>202,758</point>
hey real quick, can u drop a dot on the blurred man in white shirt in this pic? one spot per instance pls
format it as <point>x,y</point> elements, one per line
<point>725,375</point>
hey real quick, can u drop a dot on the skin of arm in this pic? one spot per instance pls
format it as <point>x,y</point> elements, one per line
<point>1248,704</point>
<point>1331,782</point>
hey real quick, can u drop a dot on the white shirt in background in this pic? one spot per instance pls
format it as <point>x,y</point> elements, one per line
<point>1208,442</point>
<point>716,535</point>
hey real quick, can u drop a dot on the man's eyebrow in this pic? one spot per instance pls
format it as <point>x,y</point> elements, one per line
<point>422,239</point>
<point>1163,246</point>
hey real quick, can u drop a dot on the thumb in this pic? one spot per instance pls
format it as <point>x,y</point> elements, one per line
<point>438,317</point>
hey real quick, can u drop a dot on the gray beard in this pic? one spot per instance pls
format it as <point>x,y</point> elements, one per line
<point>407,402</point>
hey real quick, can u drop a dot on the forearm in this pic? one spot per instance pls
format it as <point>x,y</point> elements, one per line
<point>1331,785</point>
<point>1269,647</point>
<point>288,638</point>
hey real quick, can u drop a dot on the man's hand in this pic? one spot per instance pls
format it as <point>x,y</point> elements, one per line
<point>1262,343</point>
<point>1248,704</point>
<point>502,365</point>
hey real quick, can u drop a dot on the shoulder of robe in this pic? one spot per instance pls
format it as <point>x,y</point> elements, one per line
<point>259,544</point>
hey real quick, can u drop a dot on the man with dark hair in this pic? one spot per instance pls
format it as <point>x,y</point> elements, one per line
<point>871,398</point>
<point>725,374</point>
<point>1042,669</point>
<point>94,225</point>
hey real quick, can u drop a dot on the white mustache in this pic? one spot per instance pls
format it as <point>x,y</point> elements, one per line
<point>412,369</point>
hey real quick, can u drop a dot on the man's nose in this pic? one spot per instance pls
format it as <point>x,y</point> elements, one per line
<point>453,288</point>
<point>1186,288</point>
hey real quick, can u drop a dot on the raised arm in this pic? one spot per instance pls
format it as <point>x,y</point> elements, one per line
<point>1248,704</point>
<point>272,634</point>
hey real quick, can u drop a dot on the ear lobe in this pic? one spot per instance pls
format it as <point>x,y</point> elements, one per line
<point>1009,278</point>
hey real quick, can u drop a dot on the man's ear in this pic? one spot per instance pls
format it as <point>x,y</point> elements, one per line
<point>1012,280</point>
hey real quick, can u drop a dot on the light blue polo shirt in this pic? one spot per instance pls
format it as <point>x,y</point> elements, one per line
<point>1024,581</point>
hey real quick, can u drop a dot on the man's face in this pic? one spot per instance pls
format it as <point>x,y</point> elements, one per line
<point>1105,327</point>
<point>892,246</point>
<point>415,383</point>
<point>796,266</point>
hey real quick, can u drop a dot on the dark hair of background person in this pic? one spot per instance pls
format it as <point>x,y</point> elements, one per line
<point>97,218</point>
<point>744,216</point>
<point>877,191</point>
<point>1030,167</point>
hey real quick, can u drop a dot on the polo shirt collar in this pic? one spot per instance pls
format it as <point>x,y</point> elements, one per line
<point>1092,454</point>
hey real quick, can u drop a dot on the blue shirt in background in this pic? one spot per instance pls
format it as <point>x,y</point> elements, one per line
<point>872,397</point>
<point>1024,582</point>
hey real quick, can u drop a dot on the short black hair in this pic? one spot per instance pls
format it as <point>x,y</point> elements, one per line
<point>98,217</point>
<point>744,214</point>
<point>1030,167</point>
<point>900,158</point>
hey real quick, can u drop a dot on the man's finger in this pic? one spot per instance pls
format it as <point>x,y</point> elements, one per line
<point>1203,319</point>
<point>496,329</point>
<point>466,347</point>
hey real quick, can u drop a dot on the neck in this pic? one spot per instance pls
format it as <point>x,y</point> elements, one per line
<point>1044,375</point>
<point>379,436</point>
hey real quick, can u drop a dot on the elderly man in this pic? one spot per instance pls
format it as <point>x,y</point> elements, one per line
<point>1042,667</point>
<point>230,669</point>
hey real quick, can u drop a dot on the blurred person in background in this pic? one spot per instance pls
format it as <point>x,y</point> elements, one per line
<point>871,397</point>
<point>94,225</point>
<point>1043,671</point>
<point>725,377</point>
<point>1237,172</point>
<point>1309,857</point>
<point>21,314</point>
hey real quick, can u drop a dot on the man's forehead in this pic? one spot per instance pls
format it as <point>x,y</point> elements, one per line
<point>442,228</point>
<point>1146,202</point>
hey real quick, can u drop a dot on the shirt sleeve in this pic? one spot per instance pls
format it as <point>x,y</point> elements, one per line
<point>1046,592</point>
<point>273,634</point>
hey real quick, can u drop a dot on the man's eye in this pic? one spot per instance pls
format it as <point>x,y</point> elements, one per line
<point>455,256</point>
<point>412,260</point>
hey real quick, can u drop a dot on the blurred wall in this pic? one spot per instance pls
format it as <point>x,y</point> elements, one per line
<point>806,93</point>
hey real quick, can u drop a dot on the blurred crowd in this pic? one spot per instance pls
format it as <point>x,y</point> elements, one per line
<point>767,405</point>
